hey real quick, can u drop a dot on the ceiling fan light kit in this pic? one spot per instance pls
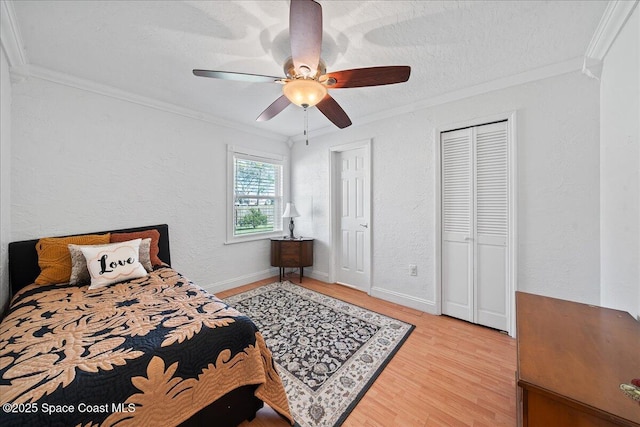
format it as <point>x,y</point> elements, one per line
<point>307,82</point>
<point>304,92</point>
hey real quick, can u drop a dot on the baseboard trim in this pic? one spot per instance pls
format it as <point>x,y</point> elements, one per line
<point>384,294</point>
<point>225,285</point>
<point>318,275</point>
<point>291,274</point>
<point>404,299</point>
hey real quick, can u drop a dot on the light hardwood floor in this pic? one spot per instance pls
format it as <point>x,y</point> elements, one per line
<point>448,373</point>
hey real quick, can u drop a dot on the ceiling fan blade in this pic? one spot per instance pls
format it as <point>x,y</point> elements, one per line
<point>305,34</point>
<point>274,109</point>
<point>243,77</point>
<point>371,76</point>
<point>334,112</point>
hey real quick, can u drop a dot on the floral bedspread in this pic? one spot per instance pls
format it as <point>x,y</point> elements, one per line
<point>149,351</point>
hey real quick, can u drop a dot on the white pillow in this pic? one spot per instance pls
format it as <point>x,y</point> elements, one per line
<point>113,263</point>
<point>79,272</point>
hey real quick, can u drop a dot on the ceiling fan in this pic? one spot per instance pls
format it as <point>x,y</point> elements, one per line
<point>306,83</point>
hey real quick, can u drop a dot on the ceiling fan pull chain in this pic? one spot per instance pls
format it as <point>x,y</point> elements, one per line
<point>306,124</point>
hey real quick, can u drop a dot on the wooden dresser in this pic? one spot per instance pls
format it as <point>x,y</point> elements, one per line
<point>296,253</point>
<point>572,359</point>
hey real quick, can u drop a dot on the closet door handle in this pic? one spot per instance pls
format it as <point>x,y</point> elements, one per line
<point>468,239</point>
<point>364,225</point>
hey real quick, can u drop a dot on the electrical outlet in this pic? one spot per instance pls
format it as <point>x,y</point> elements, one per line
<point>413,270</point>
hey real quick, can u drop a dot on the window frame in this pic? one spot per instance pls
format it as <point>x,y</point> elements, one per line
<point>234,152</point>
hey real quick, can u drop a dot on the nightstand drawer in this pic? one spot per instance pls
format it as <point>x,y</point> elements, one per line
<point>290,250</point>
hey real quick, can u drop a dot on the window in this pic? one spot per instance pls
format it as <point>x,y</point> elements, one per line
<point>256,189</point>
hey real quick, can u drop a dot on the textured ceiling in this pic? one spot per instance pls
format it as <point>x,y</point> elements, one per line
<point>150,48</point>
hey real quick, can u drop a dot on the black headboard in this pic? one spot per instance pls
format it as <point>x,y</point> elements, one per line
<point>23,258</point>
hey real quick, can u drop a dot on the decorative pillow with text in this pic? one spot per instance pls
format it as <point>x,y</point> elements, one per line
<point>113,263</point>
<point>80,273</point>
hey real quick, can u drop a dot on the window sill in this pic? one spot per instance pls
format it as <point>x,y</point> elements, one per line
<point>254,237</point>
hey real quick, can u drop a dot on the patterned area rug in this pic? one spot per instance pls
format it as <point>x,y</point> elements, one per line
<point>327,351</point>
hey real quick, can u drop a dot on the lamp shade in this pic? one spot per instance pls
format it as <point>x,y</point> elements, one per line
<point>290,211</point>
<point>304,92</point>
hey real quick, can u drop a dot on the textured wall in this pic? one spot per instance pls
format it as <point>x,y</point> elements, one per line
<point>5,177</point>
<point>85,162</point>
<point>620,170</point>
<point>558,156</point>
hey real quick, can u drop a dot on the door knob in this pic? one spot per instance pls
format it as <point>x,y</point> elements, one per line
<point>364,225</point>
<point>467,239</point>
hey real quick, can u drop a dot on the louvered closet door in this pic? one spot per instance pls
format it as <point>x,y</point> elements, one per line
<point>457,254</point>
<point>475,224</point>
<point>491,228</point>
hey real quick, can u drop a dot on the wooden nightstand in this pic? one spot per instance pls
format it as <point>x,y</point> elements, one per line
<point>296,253</point>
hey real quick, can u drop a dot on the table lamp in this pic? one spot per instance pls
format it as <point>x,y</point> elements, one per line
<point>290,212</point>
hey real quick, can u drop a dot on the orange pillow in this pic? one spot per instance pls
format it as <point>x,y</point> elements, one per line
<point>54,257</point>
<point>154,235</point>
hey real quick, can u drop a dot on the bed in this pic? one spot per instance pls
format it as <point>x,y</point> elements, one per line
<point>152,350</point>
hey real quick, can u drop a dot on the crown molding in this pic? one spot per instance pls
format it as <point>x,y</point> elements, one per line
<point>26,71</point>
<point>32,71</point>
<point>10,37</point>
<point>11,42</point>
<point>612,21</point>
<point>569,66</point>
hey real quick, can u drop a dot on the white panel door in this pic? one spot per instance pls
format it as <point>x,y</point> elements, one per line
<point>353,252</point>
<point>457,254</point>
<point>475,212</point>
